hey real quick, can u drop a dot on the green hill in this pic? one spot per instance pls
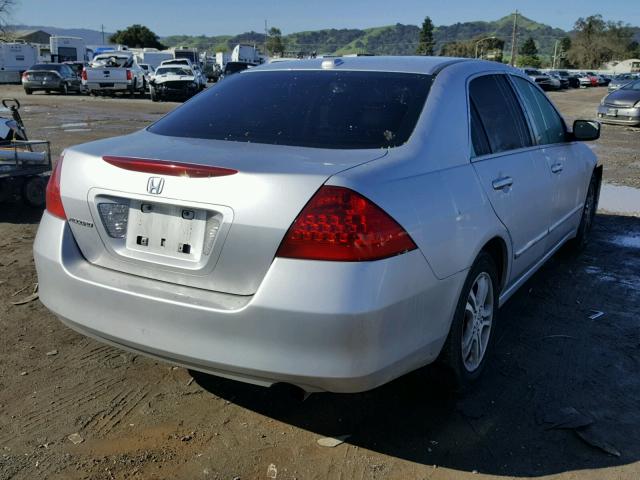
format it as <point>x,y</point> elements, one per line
<point>395,39</point>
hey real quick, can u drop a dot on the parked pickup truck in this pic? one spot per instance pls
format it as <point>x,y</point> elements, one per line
<point>113,72</point>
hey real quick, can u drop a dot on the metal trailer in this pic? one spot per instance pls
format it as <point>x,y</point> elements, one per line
<point>25,165</point>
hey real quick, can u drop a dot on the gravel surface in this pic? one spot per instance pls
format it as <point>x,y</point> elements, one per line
<point>560,398</point>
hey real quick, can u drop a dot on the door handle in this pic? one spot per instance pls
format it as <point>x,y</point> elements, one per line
<point>556,167</point>
<point>502,183</point>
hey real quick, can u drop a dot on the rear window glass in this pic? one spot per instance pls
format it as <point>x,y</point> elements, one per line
<point>47,66</point>
<point>173,71</point>
<point>111,61</point>
<point>322,109</point>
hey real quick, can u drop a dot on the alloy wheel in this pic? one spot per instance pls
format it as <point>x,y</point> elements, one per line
<point>477,323</point>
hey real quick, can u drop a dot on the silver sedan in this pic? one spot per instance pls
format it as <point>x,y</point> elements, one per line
<point>331,223</point>
<point>622,106</point>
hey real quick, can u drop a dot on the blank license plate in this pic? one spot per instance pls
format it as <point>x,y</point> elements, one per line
<point>167,230</point>
<point>106,85</point>
<point>612,112</point>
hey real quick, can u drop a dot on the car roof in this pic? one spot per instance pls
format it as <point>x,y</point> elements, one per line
<point>404,64</point>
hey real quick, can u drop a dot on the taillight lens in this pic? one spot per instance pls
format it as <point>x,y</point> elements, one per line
<point>341,225</point>
<point>84,74</point>
<point>129,75</point>
<point>54,200</point>
<point>24,76</point>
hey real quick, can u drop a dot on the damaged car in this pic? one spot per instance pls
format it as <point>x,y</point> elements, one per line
<point>328,223</point>
<point>177,82</point>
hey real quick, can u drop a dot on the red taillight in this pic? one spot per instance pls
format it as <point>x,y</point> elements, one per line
<point>84,74</point>
<point>24,76</point>
<point>160,167</point>
<point>129,75</point>
<point>341,225</point>
<point>54,200</point>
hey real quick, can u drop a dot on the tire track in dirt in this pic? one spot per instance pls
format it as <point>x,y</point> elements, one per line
<point>36,419</point>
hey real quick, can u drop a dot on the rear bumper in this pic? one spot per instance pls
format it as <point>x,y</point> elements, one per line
<point>115,87</point>
<point>624,116</point>
<point>47,85</point>
<point>334,326</point>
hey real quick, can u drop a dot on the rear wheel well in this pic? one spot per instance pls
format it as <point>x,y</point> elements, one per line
<point>497,248</point>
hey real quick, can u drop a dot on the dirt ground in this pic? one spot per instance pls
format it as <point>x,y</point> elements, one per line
<point>141,419</point>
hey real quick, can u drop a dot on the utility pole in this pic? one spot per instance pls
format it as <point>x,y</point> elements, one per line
<point>102,28</point>
<point>555,54</point>
<point>514,38</point>
<point>266,34</point>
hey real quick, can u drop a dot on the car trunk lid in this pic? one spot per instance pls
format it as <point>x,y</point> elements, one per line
<point>217,232</point>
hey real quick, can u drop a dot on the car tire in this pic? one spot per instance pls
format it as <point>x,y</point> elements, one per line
<point>153,94</point>
<point>6,189</point>
<point>581,239</point>
<point>64,90</point>
<point>143,90</point>
<point>34,192</point>
<point>134,87</point>
<point>28,91</point>
<point>471,337</point>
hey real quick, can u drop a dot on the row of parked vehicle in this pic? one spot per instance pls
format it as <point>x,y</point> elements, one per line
<point>563,79</point>
<point>117,72</point>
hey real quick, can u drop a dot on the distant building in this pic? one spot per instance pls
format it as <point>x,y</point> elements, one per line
<point>33,36</point>
<point>631,65</point>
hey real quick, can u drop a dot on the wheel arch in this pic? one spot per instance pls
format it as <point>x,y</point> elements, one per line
<point>497,248</point>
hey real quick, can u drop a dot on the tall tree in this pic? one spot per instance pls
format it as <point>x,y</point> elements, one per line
<point>137,36</point>
<point>565,46</point>
<point>275,44</point>
<point>529,54</point>
<point>597,41</point>
<point>529,47</point>
<point>457,49</point>
<point>5,9</point>
<point>426,42</point>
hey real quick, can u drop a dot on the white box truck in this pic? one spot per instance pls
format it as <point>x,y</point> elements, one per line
<point>222,58</point>
<point>190,53</point>
<point>245,54</point>
<point>154,57</point>
<point>16,58</point>
<point>68,49</point>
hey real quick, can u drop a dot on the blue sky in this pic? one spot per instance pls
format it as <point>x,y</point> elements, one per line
<point>196,17</point>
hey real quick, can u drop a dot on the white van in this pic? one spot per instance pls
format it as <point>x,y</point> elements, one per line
<point>16,58</point>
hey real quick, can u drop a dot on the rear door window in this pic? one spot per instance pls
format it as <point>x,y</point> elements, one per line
<point>547,124</point>
<point>499,113</point>
<point>321,109</point>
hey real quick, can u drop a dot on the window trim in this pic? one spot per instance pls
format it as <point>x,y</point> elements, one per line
<point>528,116</point>
<point>472,157</point>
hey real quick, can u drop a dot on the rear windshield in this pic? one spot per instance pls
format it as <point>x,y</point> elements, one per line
<point>112,61</point>
<point>173,71</point>
<point>321,109</point>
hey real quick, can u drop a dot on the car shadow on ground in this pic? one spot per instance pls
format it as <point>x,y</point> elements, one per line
<point>15,211</point>
<point>550,357</point>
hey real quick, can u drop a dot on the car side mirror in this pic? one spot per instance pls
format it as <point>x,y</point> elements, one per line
<point>586,130</point>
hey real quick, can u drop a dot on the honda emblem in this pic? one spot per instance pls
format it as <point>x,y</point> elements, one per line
<point>155,185</point>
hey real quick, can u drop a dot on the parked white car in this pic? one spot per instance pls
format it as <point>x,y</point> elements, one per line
<point>176,82</point>
<point>200,77</point>
<point>114,72</point>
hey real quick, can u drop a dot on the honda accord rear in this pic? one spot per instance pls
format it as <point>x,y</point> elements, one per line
<point>311,222</point>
